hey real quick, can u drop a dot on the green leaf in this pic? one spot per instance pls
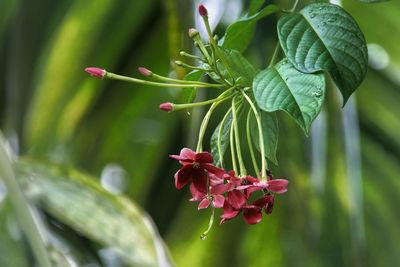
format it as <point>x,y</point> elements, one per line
<point>255,5</point>
<point>80,202</point>
<point>239,68</point>
<point>325,37</point>
<point>373,1</point>
<point>239,34</point>
<point>189,94</point>
<point>283,87</point>
<point>224,140</point>
<point>269,125</point>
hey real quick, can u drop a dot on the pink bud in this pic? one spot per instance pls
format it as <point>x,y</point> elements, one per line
<point>144,71</point>
<point>96,72</point>
<point>203,11</point>
<point>168,107</point>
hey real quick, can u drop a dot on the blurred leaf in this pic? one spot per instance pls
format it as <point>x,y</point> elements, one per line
<point>283,87</point>
<point>373,1</point>
<point>112,220</point>
<point>269,125</point>
<point>326,38</point>
<point>239,34</point>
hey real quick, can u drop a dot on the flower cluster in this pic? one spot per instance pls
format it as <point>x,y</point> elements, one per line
<point>213,186</point>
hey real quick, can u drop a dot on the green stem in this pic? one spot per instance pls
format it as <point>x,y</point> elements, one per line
<point>184,54</point>
<point>166,79</point>
<point>221,127</point>
<point>275,55</point>
<point>196,104</point>
<point>250,144</point>
<point>215,46</point>
<point>113,76</point>
<point>24,216</point>
<point>261,138</point>
<point>232,145</point>
<point>206,119</point>
<point>243,171</point>
<point>294,6</point>
<point>210,224</point>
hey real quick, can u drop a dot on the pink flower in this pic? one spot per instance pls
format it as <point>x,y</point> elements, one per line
<point>168,107</point>
<point>96,72</point>
<point>195,167</point>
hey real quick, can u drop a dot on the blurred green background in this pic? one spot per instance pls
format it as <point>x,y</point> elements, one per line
<point>341,207</point>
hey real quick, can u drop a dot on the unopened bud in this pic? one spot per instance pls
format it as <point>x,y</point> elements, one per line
<point>168,107</point>
<point>96,72</point>
<point>203,11</point>
<point>179,63</point>
<point>193,32</point>
<point>144,71</point>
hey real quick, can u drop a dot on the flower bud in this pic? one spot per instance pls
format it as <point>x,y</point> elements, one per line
<point>145,72</point>
<point>96,72</point>
<point>203,11</point>
<point>193,32</point>
<point>168,107</point>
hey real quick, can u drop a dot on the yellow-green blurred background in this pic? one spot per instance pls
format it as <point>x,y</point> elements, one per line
<point>342,205</point>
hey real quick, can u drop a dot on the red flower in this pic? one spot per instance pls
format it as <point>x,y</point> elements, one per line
<point>215,198</point>
<point>252,214</point>
<point>195,166</point>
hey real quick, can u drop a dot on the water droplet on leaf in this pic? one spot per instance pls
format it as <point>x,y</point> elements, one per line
<point>312,15</point>
<point>331,19</point>
<point>203,237</point>
<point>318,93</point>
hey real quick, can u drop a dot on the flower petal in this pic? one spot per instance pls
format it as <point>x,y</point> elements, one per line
<point>219,189</point>
<point>229,213</point>
<point>252,216</point>
<point>203,157</point>
<point>182,176</point>
<point>218,201</point>
<point>278,186</point>
<point>204,204</point>
<point>196,194</point>
<point>214,170</point>
<point>186,155</point>
<point>236,199</point>
<point>199,178</point>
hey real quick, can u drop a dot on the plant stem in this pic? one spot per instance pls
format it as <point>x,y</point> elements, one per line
<point>203,103</point>
<point>232,145</point>
<point>216,48</point>
<point>250,144</point>
<point>167,79</point>
<point>113,76</point>
<point>243,171</point>
<point>261,138</point>
<point>274,56</point>
<point>210,224</point>
<point>22,211</point>
<point>294,6</point>
<point>221,127</point>
<point>206,119</point>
